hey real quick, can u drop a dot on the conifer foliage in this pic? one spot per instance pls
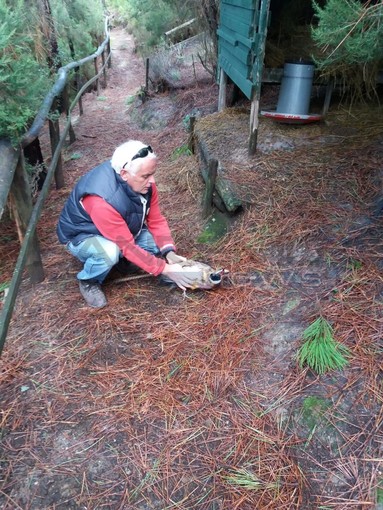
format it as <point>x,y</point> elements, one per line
<point>23,77</point>
<point>320,351</point>
<point>349,34</point>
<point>27,63</point>
<point>149,20</point>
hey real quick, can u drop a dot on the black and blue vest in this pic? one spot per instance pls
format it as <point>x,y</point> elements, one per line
<point>75,224</point>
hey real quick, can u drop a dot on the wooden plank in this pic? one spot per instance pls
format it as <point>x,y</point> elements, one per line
<point>239,28</point>
<point>8,162</point>
<point>242,15</point>
<point>247,4</point>
<point>241,68</point>
<point>234,39</point>
<point>237,77</point>
<point>236,54</point>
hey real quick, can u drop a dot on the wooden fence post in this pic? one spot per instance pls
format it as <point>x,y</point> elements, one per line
<point>65,98</point>
<point>209,190</point>
<point>81,109</point>
<point>104,71</point>
<point>263,14</point>
<point>254,124</point>
<point>191,134</point>
<point>222,90</point>
<point>54,133</point>
<point>327,99</point>
<point>147,75</point>
<point>21,203</point>
<point>96,72</point>
<point>109,53</point>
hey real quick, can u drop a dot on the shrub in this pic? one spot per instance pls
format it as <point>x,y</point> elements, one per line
<point>24,80</point>
<point>350,36</point>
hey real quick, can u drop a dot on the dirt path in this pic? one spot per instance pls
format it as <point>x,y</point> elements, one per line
<point>104,124</point>
<point>165,402</point>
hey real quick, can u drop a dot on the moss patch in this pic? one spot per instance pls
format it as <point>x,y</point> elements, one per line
<point>379,493</point>
<point>313,410</point>
<point>216,227</point>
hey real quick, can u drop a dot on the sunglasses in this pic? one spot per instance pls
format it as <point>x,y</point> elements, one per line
<point>142,153</point>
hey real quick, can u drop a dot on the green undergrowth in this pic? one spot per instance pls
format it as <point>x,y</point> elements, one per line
<point>182,150</point>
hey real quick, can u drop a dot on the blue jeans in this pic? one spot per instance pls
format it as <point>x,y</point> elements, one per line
<point>99,254</point>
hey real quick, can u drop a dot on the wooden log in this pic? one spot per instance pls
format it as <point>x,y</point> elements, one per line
<point>211,177</point>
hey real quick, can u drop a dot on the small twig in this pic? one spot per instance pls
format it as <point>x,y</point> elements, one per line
<point>131,278</point>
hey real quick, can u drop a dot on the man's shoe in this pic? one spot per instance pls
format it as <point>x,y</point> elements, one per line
<point>92,293</point>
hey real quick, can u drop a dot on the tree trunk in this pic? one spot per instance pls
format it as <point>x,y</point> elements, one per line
<point>49,30</point>
<point>34,157</point>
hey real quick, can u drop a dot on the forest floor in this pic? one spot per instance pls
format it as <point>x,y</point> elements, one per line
<point>165,401</point>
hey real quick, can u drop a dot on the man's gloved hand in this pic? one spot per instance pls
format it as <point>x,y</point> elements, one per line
<point>172,258</point>
<point>184,277</point>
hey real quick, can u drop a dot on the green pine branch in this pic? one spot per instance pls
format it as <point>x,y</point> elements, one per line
<point>320,351</point>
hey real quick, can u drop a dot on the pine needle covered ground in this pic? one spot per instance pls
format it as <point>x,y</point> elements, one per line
<point>161,401</point>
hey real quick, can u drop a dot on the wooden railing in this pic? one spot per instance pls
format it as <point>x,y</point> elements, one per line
<point>15,188</point>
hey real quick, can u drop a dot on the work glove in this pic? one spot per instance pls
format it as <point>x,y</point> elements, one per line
<point>172,258</point>
<point>183,277</point>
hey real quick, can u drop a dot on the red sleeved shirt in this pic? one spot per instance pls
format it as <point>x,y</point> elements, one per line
<point>112,226</point>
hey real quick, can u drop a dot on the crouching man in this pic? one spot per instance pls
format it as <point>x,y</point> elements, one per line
<point>113,214</point>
